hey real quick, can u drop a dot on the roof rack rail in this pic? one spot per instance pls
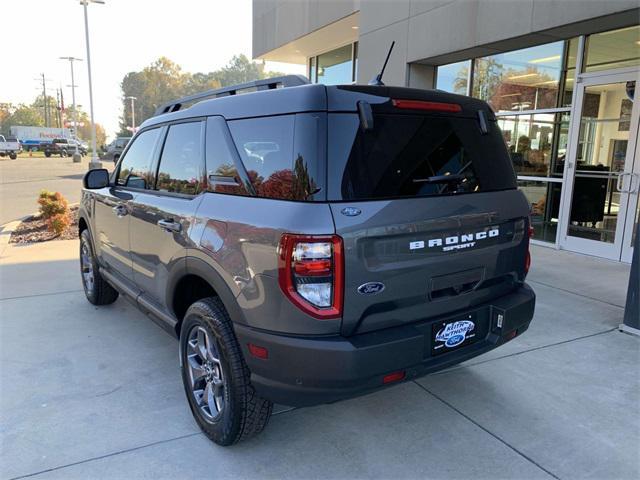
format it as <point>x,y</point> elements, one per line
<point>264,84</point>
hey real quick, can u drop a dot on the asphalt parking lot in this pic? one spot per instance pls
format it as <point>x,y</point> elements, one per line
<point>90,392</point>
<point>22,179</point>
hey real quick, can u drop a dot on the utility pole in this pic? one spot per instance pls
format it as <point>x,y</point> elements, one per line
<point>133,114</point>
<point>95,162</point>
<point>44,100</point>
<point>76,156</point>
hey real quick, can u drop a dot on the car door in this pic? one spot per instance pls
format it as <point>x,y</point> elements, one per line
<point>113,204</point>
<point>161,218</point>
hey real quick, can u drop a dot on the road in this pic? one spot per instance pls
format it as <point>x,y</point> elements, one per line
<point>22,179</point>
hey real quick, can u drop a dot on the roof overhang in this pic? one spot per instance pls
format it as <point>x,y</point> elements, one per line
<point>334,35</point>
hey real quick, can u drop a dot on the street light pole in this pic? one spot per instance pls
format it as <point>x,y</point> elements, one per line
<point>133,114</point>
<point>95,162</point>
<point>76,156</point>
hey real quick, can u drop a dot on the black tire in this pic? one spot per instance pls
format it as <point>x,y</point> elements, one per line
<point>98,292</point>
<point>244,413</point>
<point>13,156</point>
<point>63,154</point>
<point>47,154</point>
<point>115,159</point>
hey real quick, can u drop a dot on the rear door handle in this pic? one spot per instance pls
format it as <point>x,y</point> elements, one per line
<point>169,225</point>
<point>120,210</point>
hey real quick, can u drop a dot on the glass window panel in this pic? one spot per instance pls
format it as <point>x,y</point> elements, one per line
<point>312,70</point>
<point>135,167</point>
<point>335,67</point>
<point>525,79</point>
<point>537,143</point>
<point>614,49</point>
<point>453,77</point>
<point>544,201</point>
<point>570,74</point>
<point>601,155</point>
<point>355,61</point>
<point>181,163</point>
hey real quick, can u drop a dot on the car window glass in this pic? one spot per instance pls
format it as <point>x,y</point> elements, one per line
<point>266,148</point>
<point>221,169</point>
<point>181,163</point>
<point>135,167</point>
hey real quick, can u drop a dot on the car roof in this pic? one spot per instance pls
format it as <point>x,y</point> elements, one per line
<point>309,98</point>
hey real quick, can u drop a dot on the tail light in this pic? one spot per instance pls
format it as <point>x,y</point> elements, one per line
<point>311,273</point>
<point>429,106</point>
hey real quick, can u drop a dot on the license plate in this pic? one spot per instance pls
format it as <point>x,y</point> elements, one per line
<point>453,334</point>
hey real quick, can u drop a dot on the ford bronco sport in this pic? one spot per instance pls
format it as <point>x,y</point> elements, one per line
<point>311,243</point>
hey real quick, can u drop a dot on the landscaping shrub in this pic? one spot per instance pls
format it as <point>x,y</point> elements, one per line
<point>58,223</point>
<point>54,208</point>
<point>52,204</point>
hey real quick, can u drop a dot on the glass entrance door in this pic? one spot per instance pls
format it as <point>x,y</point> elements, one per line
<point>603,172</point>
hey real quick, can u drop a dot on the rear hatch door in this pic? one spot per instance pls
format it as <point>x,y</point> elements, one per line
<point>427,205</point>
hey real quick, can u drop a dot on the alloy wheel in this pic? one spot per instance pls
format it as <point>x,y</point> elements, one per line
<point>86,265</point>
<point>206,377</point>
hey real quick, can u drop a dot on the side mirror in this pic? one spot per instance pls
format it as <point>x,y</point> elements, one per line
<point>96,179</point>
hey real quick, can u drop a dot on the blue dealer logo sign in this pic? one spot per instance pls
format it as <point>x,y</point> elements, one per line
<point>455,333</point>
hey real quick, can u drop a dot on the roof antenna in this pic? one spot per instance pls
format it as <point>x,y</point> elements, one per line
<point>377,80</point>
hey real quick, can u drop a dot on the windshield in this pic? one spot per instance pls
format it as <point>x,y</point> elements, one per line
<point>414,156</point>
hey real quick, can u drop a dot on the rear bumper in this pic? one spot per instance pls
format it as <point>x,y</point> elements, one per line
<point>304,371</point>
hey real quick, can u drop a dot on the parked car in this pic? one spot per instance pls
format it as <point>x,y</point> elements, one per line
<point>9,147</point>
<point>65,147</point>
<point>312,243</point>
<point>115,149</point>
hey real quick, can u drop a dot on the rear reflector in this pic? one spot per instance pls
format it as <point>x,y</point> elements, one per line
<point>258,352</point>
<point>511,335</point>
<point>394,377</point>
<point>429,106</point>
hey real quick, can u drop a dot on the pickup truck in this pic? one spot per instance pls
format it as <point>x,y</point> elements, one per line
<point>9,147</point>
<point>63,147</point>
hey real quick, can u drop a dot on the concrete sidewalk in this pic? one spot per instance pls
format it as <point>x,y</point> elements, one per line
<point>90,392</point>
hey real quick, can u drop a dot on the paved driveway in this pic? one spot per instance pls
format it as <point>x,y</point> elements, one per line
<point>90,392</point>
<point>22,179</point>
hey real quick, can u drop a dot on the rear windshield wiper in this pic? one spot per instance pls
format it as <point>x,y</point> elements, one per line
<point>455,178</point>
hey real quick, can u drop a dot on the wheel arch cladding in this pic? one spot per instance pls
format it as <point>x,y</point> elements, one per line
<point>201,280</point>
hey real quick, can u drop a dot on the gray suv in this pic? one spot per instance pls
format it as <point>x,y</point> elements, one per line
<point>311,243</point>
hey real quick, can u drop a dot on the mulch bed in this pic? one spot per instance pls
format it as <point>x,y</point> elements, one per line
<point>34,229</point>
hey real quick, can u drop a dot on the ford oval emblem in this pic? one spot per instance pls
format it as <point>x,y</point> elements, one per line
<point>350,211</point>
<point>371,288</point>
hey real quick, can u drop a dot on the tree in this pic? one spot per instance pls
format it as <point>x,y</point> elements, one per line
<point>164,80</point>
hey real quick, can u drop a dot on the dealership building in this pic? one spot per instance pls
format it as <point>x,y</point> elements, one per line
<point>560,75</point>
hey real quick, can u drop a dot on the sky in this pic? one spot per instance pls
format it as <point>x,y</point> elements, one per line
<point>125,36</point>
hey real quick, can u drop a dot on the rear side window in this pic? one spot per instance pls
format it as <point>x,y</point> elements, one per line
<point>181,167</point>
<point>135,166</point>
<point>278,165</point>
<point>414,156</point>
<point>221,169</point>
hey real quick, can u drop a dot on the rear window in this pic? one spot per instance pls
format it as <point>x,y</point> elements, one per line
<point>415,156</point>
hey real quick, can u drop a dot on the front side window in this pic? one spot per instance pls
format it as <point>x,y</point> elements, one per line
<point>135,167</point>
<point>181,163</point>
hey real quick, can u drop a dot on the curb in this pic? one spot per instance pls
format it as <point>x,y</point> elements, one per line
<point>8,228</point>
